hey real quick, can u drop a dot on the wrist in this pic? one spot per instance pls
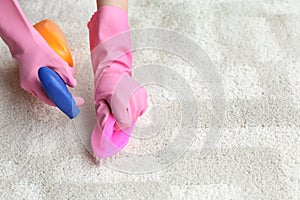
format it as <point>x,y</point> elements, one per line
<point>25,47</point>
<point>123,4</point>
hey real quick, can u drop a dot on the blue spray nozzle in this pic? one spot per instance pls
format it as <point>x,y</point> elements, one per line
<point>57,91</point>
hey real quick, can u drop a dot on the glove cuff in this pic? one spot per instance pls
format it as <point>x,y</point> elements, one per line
<point>107,22</point>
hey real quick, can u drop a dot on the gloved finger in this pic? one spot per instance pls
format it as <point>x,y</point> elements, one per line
<point>138,104</point>
<point>79,101</point>
<point>102,113</point>
<point>67,74</point>
<point>128,101</point>
<point>63,65</point>
<point>121,125</point>
<point>70,80</point>
<point>39,92</point>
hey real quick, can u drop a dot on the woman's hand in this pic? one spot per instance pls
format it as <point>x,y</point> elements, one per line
<point>39,55</point>
<point>31,50</point>
<point>119,99</point>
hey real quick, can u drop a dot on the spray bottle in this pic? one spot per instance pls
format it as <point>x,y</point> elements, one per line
<point>53,85</point>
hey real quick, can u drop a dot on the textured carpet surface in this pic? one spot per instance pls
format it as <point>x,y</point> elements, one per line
<point>255,47</point>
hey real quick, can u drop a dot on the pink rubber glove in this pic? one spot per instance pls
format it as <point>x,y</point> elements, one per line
<point>31,50</point>
<point>119,100</point>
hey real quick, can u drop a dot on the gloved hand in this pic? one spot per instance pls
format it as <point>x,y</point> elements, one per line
<point>31,50</point>
<point>119,100</point>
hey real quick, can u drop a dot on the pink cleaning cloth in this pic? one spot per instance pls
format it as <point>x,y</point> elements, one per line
<point>119,100</point>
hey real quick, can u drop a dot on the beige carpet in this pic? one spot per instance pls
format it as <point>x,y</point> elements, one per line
<point>255,47</point>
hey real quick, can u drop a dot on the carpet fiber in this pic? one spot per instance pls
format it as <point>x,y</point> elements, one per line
<point>255,48</point>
